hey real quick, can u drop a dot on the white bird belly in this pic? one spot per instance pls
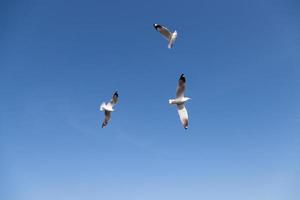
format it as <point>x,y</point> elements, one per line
<point>107,108</point>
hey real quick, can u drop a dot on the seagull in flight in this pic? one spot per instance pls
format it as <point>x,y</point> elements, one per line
<point>180,100</point>
<point>108,108</point>
<point>171,37</point>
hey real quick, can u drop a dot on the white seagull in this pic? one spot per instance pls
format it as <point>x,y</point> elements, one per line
<point>171,37</point>
<point>180,100</point>
<point>108,108</point>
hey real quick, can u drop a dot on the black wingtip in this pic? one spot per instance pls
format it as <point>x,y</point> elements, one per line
<point>156,26</point>
<point>182,78</point>
<point>116,93</point>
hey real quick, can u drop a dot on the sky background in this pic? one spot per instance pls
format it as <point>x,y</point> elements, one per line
<point>59,60</point>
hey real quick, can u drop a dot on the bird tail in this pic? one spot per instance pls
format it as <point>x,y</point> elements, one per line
<point>170,101</point>
<point>102,106</point>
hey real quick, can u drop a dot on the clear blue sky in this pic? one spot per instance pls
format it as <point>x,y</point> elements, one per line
<point>60,59</point>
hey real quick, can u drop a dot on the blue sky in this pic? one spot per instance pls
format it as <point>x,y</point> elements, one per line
<point>60,59</point>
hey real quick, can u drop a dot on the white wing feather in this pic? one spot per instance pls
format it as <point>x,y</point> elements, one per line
<point>183,115</point>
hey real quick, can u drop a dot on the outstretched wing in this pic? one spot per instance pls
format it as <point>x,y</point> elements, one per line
<point>106,118</point>
<point>163,30</point>
<point>180,87</point>
<point>183,115</point>
<point>113,101</point>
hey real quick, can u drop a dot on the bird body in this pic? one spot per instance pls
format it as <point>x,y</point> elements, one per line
<point>108,108</point>
<point>180,102</point>
<point>168,35</point>
<point>172,40</point>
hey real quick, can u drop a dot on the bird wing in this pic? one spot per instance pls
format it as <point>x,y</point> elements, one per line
<point>164,31</point>
<point>114,99</point>
<point>180,87</point>
<point>106,118</point>
<point>183,115</point>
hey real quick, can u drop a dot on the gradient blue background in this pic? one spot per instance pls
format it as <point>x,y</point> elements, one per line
<point>60,59</point>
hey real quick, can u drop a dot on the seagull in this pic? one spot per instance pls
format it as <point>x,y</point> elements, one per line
<point>180,100</point>
<point>171,37</point>
<point>108,108</point>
